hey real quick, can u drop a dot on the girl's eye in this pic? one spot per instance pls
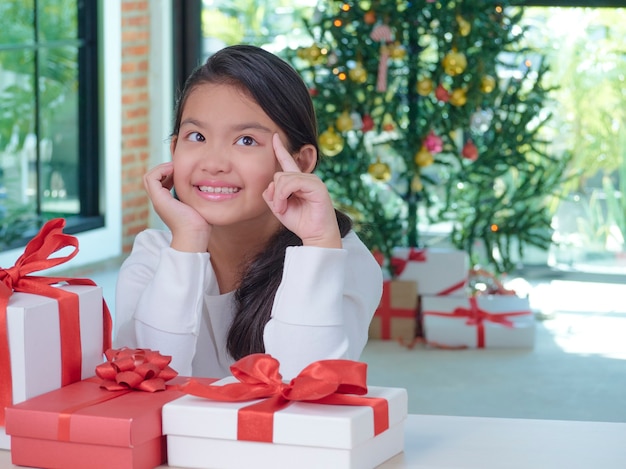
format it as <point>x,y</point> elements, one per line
<point>195,137</point>
<point>247,141</point>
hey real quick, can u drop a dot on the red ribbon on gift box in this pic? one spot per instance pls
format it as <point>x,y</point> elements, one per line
<point>142,369</point>
<point>477,317</point>
<point>36,257</point>
<point>335,382</point>
<point>385,312</point>
<point>398,264</point>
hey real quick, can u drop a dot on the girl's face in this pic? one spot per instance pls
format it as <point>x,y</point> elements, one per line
<point>223,155</point>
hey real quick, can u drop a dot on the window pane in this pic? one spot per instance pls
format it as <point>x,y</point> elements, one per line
<point>57,20</point>
<point>18,142</point>
<point>585,48</point>
<point>59,126</point>
<point>17,22</point>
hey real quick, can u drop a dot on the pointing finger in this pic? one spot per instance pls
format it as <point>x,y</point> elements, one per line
<point>282,155</point>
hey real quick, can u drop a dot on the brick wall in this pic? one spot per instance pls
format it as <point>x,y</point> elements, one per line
<point>135,117</point>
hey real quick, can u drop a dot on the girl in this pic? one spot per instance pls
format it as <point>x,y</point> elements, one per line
<point>256,259</point>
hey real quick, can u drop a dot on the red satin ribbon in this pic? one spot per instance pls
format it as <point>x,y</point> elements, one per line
<point>477,317</point>
<point>141,369</point>
<point>338,382</point>
<point>451,288</point>
<point>36,257</point>
<point>398,264</point>
<point>385,312</point>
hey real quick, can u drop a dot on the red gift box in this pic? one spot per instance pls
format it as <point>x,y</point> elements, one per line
<point>396,316</point>
<point>85,425</point>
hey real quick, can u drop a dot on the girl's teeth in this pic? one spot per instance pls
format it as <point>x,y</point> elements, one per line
<point>218,190</point>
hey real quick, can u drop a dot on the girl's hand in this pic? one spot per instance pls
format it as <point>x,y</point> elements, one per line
<point>190,231</point>
<point>301,202</point>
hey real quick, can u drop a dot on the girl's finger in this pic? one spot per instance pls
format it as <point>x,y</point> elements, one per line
<point>282,155</point>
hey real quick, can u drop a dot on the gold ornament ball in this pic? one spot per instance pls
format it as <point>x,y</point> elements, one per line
<point>416,184</point>
<point>331,143</point>
<point>425,86</point>
<point>454,63</point>
<point>379,171</point>
<point>487,84</point>
<point>458,97</point>
<point>303,53</point>
<point>314,54</point>
<point>344,122</point>
<point>397,51</point>
<point>358,74</point>
<point>424,158</point>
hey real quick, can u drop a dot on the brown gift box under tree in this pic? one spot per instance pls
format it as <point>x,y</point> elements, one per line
<point>396,316</point>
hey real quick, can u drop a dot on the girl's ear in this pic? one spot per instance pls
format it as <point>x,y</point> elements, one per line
<point>306,158</point>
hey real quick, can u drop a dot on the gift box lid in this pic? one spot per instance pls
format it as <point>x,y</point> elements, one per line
<point>300,423</point>
<point>83,412</point>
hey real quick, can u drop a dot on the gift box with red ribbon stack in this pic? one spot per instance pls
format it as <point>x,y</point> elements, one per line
<point>396,316</point>
<point>325,417</point>
<point>479,321</point>
<point>53,330</point>
<point>111,420</point>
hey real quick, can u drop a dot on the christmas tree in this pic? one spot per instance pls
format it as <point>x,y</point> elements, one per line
<point>431,111</point>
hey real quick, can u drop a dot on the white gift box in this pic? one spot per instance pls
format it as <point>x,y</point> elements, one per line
<point>504,321</point>
<point>35,342</point>
<point>437,271</point>
<point>202,433</point>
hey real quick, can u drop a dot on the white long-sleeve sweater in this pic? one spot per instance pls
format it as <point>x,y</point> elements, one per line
<point>169,301</point>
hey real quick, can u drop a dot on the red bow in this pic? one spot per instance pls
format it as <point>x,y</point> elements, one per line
<point>142,369</point>
<point>477,316</point>
<point>36,257</point>
<point>338,382</point>
<point>416,255</point>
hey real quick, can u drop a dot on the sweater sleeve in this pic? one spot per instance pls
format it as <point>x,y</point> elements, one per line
<point>324,305</point>
<point>159,298</point>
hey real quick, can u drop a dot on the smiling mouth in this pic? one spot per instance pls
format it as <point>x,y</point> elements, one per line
<point>218,190</point>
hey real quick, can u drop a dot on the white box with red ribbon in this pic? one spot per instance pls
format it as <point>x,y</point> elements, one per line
<point>482,321</point>
<point>322,418</point>
<point>53,330</point>
<point>437,271</point>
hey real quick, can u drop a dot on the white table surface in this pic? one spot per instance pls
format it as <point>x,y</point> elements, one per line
<point>448,442</point>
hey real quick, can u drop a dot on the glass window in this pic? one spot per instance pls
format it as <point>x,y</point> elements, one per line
<point>47,144</point>
<point>585,50</point>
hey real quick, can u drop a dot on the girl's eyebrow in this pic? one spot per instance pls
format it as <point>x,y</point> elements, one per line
<point>191,121</point>
<point>252,126</point>
<point>237,127</point>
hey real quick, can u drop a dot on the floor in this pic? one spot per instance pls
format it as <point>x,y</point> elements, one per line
<point>576,370</point>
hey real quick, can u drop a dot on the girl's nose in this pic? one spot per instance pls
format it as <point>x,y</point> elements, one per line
<point>215,159</point>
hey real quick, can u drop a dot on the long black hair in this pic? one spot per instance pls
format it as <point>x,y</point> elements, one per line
<point>281,93</point>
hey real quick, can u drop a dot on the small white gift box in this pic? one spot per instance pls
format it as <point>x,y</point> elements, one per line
<point>34,336</point>
<point>205,433</point>
<point>483,321</point>
<point>437,271</point>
